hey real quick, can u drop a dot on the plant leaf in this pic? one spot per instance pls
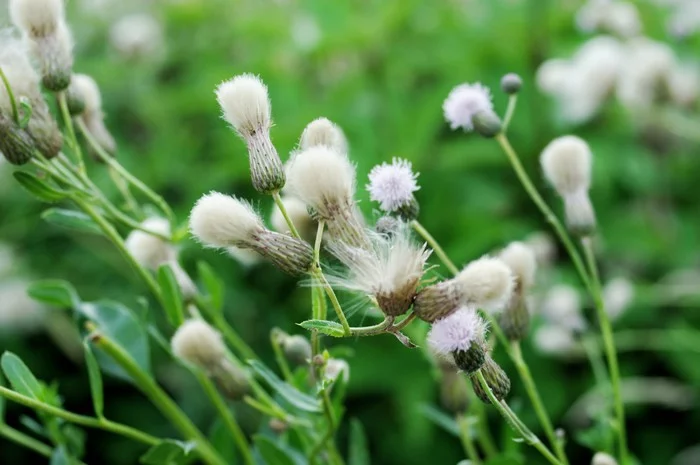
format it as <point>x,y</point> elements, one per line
<point>276,454</point>
<point>172,296</point>
<point>38,187</point>
<point>20,376</point>
<point>212,284</point>
<point>54,292</point>
<point>329,328</point>
<point>287,391</point>
<point>70,219</point>
<point>95,376</point>
<point>440,419</point>
<point>60,456</point>
<point>358,454</point>
<point>168,452</point>
<point>2,402</point>
<point>121,325</point>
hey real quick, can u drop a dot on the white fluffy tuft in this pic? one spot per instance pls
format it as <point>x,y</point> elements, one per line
<point>487,283</point>
<point>566,162</point>
<point>323,131</point>
<point>522,262</point>
<point>562,306</point>
<point>87,88</point>
<point>554,340</point>
<point>320,176</point>
<point>151,251</point>
<point>37,18</point>
<point>137,35</point>
<point>199,344</point>
<point>219,220</point>
<point>456,332</point>
<point>464,102</point>
<point>392,185</point>
<point>245,103</point>
<point>22,77</point>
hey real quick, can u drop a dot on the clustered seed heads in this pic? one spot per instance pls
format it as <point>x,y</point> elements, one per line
<point>246,106</point>
<point>223,221</point>
<point>566,163</point>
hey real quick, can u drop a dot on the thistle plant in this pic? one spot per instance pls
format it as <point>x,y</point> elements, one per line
<point>319,237</point>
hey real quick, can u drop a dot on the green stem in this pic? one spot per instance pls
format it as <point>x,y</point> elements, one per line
<point>231,335</point>
<point>536,400</point>
<point>435,246</point>
<point>82,420</point>
<point>159,398</point>
<point>484,435</point>
<point>124,173</point>
<point>465,436</point>
<point>227,416</point>
<point>510,111</point>
<point>283,210</point>
<point>328,436</point>
<point>25,440</point>
<point>11,95</point>
<point>279,356</point>
<point>68,121</point>
<point>374,329</point>
<point>123,188</point>
<point>318,274</point>
<point>610,352</point>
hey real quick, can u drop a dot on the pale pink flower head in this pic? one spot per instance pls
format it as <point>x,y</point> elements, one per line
<point>392,185</point>
<point>456,332</point>
<point>464,102</point>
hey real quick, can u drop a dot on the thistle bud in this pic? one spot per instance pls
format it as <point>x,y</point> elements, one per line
<point>231,380</point>
<point>324,180</point>
<point>487,124</point>
<point>323,132</point>
<point>393,185</point>
<point>246,106</point>
<point>222,221</point>
<point>15,144</point>
<point>580,216</point>
<point>463,104</point>
<point>299,214</point>
<point>297,349</point>
<point>461,335</point>
<point>515,319</point>
<point>511,83</point>
<point>496,379</point>
<point>84,88</point>
<point>601,458</point>
<point>454,394</point>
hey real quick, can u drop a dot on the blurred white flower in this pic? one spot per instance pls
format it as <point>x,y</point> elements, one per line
<point>554,340</point>
<point>562,306</point>
<point>684,85</point>
<point>618,294</point>
<point>647,67</point>
<point>305,32</point>
<point>138,35</point>
<point>543,246</point>
<point>464,102</point>
<point>392,185</point>
<point>617,17</point>
<point>18,312</point>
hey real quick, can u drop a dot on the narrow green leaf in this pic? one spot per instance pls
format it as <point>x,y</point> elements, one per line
<point>121,325</point>
<point>441,419</point>
<point>329,328</point>
<point>287,391</point>
<point>38,187</point>
<point>34,426</point>
<point>358,454</point>
<point>168,452</point>
<point>95,376</point>
<point>172,296</point>
<point>2,402</point>
<point>54,292</point>
<point>60,457</point>
<point>20,377</point>
<point>70,219</point>
<point>212,284</point>
<point>276,454</point>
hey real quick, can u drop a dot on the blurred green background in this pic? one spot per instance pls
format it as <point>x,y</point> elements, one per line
<point>381,70</point>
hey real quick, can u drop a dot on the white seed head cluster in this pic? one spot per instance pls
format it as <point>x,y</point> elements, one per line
<point>298,213</point>
<point>464,102</point>
<point>456,332</point>
<point>487,283</point>
<point>322,178</point>
<point>151,251</point>
<point>522,263</point>
<point>648,67</point>
<point>392,185</point>
<point>566,163</point>
<point>245,104</point>
<point>219,220</point>
<point>196,342</point>
<point>323,132</point>
<point>601,458</point>
<point>390,270</point>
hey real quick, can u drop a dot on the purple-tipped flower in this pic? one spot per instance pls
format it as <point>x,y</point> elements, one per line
<point>393,185</point>
<point>460,336</point>
<point>464,102</point>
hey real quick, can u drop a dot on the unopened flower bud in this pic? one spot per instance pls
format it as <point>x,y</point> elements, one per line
<point>487,124</point>
<point>323,132</point>
<point>297,349</point>
<point>246,106</point>
<point>15,144</point>
<point>511,83</point>
<point>496,379</point>
<point>601,458</point>
<point>75,99</point>
<point>454,394</point>
<point>278,426</point>
<point>231,380</point>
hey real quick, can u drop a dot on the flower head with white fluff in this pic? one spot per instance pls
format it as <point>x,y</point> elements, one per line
<point>392,185</point>
<point>390,270</point>
<point>487,282</point>
<point>219,220</point>
<point>323,131</point>
<point>464,102</point>
<point>456,332</point>
<point>245,104</point>
<point>522,262</point>
<point>562,306</point>
<point>199,344</point>
<point>150,250</point>
<point>566,162</point>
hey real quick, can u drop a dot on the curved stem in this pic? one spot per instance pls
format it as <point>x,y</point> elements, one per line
<point>11,95</point>
<point>318,274</point>
<point>374,329</point>
<point>68,121</point>
<point>82,420</point>
<point>510,111</point>
<point>123,188</point>
<point>283,210</point>
<point>435,246</point>
<point>24,440</point>
<point>610,352</point>
<point>465,437</point>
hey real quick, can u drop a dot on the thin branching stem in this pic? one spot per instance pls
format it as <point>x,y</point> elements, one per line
<point>439,251</point>
<point>465,437</point>
<point>68,122</point>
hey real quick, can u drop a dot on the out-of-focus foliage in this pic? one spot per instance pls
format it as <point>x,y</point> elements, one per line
<point>381,70</point>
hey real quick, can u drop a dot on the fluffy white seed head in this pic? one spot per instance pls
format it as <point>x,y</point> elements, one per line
<point>37,18</point>
<point>601,458</point>
<point>137,35</point>
<point>151,251</point>
<point>543,246</point>
<point>198,343</point>
<point>245,104</point>
<point>86,87</point>
<point>245,257</point>
<point>456,332</point>
<point>392,185</point>
<point>22,77</point>
<point>618,294</point>
<point>219,220</point>
<point>646,69</point>
<point>522,262</point>
<point>552,76</point>
<point>580,215</point>
<point>299,214</point>
<point>323,131</point>
<point>622,19</point>
<point>566,163</point>
<point>464,102</point>
<point>336,367</point>
<point>487,283</point>
<point>322,178</point>
<point>562,306</point>
<point>554,340</point>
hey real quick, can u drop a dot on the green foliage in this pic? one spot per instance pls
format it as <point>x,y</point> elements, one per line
<point>172,296</point>
<point>41,189</point>
<point>292,395</point>
<point>20,377</point>
<point>96,387</point>
<point>168,453</point>
<point>70,219</point>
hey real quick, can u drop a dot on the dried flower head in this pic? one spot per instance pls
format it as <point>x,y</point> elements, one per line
<point>464,102</point>
<point>487,283</point>
<point>323,132</point>
<point>196,342</point>
<point>390,270</point>
<point>393,185</point>
<point>246,106</point>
